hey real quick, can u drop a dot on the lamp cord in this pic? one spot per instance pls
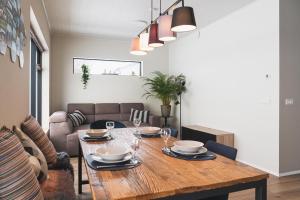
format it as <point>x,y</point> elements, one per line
<point>151,11</point>
<point>182,3</point>
<point>159,7</point>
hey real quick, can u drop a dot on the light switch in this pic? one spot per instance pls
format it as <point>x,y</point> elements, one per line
<point>289,101</point>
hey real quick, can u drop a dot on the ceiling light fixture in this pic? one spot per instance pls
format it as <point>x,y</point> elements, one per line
<point>164,27</point>
<point>136,47</point>
<point>183,19</point>
<point>153,35</point>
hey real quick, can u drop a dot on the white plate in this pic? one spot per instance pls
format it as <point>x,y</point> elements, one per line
<point>201,151</point>
<point>99,159</point>
<point>92,137</point>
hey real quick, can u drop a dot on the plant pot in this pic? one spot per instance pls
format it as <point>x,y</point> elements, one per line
<point>165,110</point>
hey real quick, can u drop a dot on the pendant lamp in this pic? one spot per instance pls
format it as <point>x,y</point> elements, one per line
<point>164,28</point>
<point>144,42</point>
<point>136,47</point>
<point>153,35</point>
<point>183,19</point>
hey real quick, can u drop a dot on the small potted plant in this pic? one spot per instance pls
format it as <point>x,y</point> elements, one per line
<point>85,77</point>
<point>165,87</point>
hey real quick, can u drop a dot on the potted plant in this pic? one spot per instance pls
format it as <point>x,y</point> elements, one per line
<point>85,75</point>
<point>165,87</point>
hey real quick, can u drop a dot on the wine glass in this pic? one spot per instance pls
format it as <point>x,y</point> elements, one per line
<point>110,125</point>
<point>136,142</point>
<point>137,122</point>
<point>166,134</point>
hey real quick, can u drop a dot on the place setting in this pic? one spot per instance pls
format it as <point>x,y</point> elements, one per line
<point>115,155</point>
<point>186,149</point>
<point>94,135</point>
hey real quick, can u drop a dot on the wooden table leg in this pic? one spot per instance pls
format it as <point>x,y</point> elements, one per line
<point>261,191</point>
<point>79,169</point>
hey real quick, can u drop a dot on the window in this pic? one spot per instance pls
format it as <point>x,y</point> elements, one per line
<point>36,82</point>
<point>108,67</point>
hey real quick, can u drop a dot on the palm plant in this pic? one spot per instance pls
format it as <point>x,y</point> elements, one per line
<point>166,88</point>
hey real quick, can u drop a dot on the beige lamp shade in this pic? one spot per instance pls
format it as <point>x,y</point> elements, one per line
<point>136,47</point>
<point>164,28</point>
<point>144,42</point>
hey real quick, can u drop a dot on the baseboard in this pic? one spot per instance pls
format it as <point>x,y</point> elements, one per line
<point>289,173</point>
<point>260,168</point>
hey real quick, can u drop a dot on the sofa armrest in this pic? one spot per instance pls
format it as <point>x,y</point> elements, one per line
<point>60,126</point>
<point>155,120</point>
<point>59,116</point>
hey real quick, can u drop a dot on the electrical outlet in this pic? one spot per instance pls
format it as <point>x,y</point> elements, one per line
<point>289,101</point>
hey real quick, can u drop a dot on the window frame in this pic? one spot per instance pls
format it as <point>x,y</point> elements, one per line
<point>115,60</point>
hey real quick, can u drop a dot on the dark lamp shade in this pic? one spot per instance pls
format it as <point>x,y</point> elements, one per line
<point>153,36</point>
<point>183,20</point>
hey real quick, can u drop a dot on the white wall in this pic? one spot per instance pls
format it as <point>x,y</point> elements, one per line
<point>66,87</point>
<point>226,70</point>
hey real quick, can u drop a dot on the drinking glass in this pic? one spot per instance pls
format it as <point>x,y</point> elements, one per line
<point>136,123</point>
<point>166,134</point>
<point>136,142</point>
<point>110,125</point>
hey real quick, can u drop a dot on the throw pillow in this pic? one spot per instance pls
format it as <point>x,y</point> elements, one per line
<point>33,150</point>
<point>77,118</point>
<point>143,115</point>
<point>32,128</point>
<point>17,179</point>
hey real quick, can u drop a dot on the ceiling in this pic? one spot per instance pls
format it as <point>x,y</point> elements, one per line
<point>124,18</point>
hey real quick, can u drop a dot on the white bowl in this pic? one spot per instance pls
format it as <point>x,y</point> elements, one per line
<point>189,146</point>
<point>112,153</point>
<point>96,132</point>
<point>150,130</point>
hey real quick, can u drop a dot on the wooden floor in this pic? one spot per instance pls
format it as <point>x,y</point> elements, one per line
<point>285,188</point>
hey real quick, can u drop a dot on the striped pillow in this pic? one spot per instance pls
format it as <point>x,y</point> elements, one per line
<point>77,118</point>
<point>32,128</point>
<point>33,150</point>
<point>17,179</point>
<point>141,114</point>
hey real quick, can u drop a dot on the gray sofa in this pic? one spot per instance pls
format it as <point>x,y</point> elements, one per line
<point>64,136</point>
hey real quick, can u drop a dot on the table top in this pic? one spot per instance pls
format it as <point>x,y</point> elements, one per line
<point>160,175</point>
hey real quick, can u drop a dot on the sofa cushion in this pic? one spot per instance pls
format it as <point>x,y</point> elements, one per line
<point>126,107</point>
<point>88,109</point>
<point>77,118</point>
<point>82,127</point>
<point>17,178</point>
<point>33,150</point>
<point>59,185</point>
<point>107,108</point>
<point>115,117</point>
<point>32,128</point>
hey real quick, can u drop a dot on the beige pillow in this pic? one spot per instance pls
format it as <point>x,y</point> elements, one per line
<point>31,148</point>
<point>33,129</point>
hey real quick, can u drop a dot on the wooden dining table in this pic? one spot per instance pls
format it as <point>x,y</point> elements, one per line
<point>163,177</point>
